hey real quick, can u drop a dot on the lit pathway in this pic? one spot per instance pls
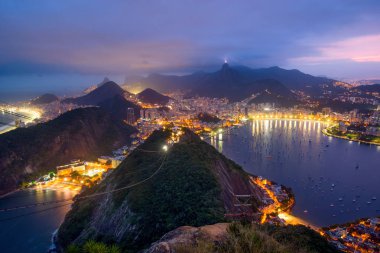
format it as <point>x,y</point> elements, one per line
<point>276,207</point>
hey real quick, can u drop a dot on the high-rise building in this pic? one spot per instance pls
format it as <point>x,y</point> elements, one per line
<point>326,111</point>
<point>246,111</point>
<point>130,115</point>
<point>142,113</point>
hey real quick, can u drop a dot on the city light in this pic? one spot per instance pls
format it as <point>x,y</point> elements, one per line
<point>165,148</point>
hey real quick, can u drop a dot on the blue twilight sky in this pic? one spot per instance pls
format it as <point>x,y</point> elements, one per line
<point>50,38</point>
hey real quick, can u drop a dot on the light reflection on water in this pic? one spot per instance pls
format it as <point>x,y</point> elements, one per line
<point>297,154</point>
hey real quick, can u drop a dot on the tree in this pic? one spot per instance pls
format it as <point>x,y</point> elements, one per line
<point>51,175</point>
<point>75,175</point>
<point>92,247</point>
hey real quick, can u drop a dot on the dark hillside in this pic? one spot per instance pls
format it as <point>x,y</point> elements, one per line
<point>193,187</point>
<point>44,99</point>
<point>151,96</point>
<point>101,93</point>
<point>83,133</point>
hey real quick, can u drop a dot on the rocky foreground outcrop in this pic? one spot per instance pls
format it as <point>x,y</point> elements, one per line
<point>85,133</point>
<point>239,238</point>
<point>187,235</point>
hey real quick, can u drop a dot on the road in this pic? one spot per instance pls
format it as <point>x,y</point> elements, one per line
<point>59,185</point>
<point>276,206</point>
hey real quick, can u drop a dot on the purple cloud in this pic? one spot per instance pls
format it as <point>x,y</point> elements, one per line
<point>139,37</point>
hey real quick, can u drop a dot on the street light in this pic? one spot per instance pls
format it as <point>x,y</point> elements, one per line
<point>165,148</point>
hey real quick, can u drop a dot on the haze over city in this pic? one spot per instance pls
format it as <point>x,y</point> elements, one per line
<point>339,39</point>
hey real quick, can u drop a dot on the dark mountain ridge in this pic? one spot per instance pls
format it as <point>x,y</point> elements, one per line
<point>273,92</point>
<point>118,106</point>
<point>109,96</point>
<point>86,133</point>
<point>44,99</point>
<point>234,82</point>
<point>368,88</point>
<point>151,96</point>
<point>103,92</point>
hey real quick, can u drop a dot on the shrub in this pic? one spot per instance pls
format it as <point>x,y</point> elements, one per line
<point>92,247</point>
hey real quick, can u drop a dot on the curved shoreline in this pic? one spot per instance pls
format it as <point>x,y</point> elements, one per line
<point>7,127</point>
<point>9,193</point>
<point>325,132</point>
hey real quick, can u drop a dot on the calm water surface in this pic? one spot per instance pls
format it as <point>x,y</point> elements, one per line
<point>334,180</point>
<point>30,230</point>
<point>6,118</point>
<point>6,121</point>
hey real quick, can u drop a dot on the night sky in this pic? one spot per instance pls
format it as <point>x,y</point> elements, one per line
<point>335,38</point>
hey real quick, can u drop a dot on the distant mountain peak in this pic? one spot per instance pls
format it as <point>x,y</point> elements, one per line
<point>109,84</point>
<point>117,106</point>
<point>235,82</point>
<point>105,80</point>
<point>44,99</point>
<point>103,92</point>
<point>151,96</point>
<point>149,90</point>
<point>225,66</point>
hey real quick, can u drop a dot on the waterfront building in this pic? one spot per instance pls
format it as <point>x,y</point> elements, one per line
<point>112,161</point>
<point>373,130</point>
<point>326,111</point>
<point>67,169</point>
<point>342,127</point>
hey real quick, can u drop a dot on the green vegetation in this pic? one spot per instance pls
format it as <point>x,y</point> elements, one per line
<point>75,175</point>
<point>75,221</point>
<point>185,191</point>
<point>190,196</point>
<point>370,138</point>
<point>51,175</point>
<point>341,107</point>
<point>263,239</point>
<point>85,133</point>
<point>354,136</point>
<point>93,247</point>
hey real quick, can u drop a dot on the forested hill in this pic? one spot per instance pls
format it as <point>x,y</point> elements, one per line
<point>191,184</point>
<point>85,133</point>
